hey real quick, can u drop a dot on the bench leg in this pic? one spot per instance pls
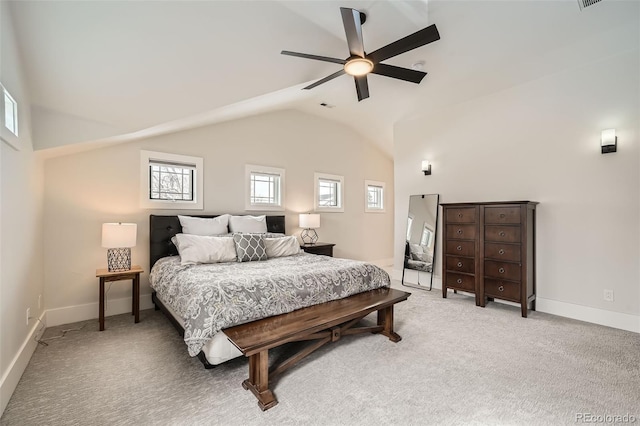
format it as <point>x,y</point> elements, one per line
<point>258,381</point>
<point>385,319</point>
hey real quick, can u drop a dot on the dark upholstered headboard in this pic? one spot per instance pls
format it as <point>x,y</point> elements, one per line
<point>162,228</point>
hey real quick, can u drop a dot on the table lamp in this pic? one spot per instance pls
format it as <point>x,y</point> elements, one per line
<point>118,238</point>
<point>310,222</point>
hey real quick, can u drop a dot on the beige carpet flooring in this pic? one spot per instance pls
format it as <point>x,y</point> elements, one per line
<point>457,364</point>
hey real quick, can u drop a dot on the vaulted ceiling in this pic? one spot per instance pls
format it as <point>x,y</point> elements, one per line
<point>138,68</point>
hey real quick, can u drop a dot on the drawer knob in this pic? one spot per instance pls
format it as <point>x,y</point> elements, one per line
<point>501,288</point>
<point>502,215</point>
<point>501,233</point>
<point>459,248</point>
<point>459,264</point>
<point>501,251</point>
<point>501,270</point>
<point>459,231</point>
<point>459,280</point>
<point>459,214</point>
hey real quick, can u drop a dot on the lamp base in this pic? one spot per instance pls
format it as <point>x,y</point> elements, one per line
<point>118,259</point>
<point>309,236</point>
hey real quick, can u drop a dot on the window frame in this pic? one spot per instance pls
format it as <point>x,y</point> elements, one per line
<point>6,134</point>
<point>367,207</point>
<point>317,178</point>
<point>7,96</point>
<point>149,157</point>
<point>251,169</point>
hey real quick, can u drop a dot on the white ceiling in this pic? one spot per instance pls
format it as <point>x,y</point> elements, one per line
<point>147,68</point>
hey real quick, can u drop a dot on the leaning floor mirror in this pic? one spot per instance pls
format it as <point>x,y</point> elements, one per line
<point>420,245</point>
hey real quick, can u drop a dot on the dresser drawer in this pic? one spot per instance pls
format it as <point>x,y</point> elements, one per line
<point>461,215</point>
<point>461,264</point>
<point>502,215</point>
<point>500,289</point>
<point>461,248</point>
<point>506,234</point>
<point>461,232</point>
<point>500,251</point>
<point>502,270</point>
<point>462,282</point>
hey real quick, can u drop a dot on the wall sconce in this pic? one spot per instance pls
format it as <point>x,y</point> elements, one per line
<point>609,141</point>
<point>118,238</point>
<point>426,167</point>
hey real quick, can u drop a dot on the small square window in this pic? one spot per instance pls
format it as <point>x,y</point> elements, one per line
<point>265,188</point>
<point>170,181</point>
<point>10,113</point>
<point>374,196</point>
<point>329,193</point>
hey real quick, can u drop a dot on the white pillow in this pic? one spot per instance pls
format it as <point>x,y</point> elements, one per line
<point>283,246</point>
<point>195,249</point>
<point>204,226</point>
<point>248,224</point>
<point>416,248</point>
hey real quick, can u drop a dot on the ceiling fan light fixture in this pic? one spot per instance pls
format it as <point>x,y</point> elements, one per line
<point>358,67</point>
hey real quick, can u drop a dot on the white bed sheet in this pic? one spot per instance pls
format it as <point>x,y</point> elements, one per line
<point>217,350</point>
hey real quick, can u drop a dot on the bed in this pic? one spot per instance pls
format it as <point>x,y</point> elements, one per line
<point>416,258</point>
<point>203,299</point>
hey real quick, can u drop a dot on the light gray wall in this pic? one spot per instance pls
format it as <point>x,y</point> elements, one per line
<point>84,190</point>
<point>21,265</point>
<point>540,141</point>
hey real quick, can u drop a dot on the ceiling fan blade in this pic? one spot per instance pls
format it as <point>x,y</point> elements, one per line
<point>353,30</point>
<point>324,80</point>
<point>410,42</point>
<point>316,57</point>
<point>400,73</point>
<point>362,87</point>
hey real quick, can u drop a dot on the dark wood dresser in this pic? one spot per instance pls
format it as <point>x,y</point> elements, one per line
<point>490,251</point>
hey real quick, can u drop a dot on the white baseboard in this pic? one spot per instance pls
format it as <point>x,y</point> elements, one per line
<point>89,311</point>
<point>53,317</point>
<point>563,309</point>
<point>585,313</point>
<point>19,363</point>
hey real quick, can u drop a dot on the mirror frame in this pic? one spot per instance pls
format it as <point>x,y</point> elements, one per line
<point>435,247</point>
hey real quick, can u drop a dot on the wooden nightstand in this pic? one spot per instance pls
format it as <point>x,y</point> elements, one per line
<point>324,249</point>
<point>132,274</point>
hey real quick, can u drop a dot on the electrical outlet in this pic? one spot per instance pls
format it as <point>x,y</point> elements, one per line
<point>608,295</point>
<point>39,301</point>
<point>28,315</point>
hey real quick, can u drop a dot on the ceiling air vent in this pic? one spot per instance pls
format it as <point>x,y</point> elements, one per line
<point>586,3</point>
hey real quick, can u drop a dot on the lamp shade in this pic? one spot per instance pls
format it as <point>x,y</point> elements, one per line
<point>119,235</point>
<point>310,221</point>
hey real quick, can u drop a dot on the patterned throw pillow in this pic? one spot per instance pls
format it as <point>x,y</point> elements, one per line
<point>250,247</point>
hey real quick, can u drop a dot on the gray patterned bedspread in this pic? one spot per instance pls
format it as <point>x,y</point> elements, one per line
<point>211,297</point>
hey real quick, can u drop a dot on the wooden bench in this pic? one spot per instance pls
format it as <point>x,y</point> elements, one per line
<point>325,323</point>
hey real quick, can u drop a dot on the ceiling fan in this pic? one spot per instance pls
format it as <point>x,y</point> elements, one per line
<point>359,63</point>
